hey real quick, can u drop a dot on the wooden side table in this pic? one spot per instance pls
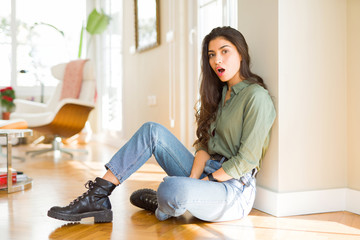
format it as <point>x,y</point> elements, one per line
<point>9,134</point>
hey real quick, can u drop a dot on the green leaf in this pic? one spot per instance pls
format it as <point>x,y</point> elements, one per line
<point>49,25</point>
<point>97,22</point>
<point>81,41</point>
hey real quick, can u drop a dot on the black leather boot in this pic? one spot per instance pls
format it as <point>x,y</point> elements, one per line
<point>145,199</point>
<point>93,203</point>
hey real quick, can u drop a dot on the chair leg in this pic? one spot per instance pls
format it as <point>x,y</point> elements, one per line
<point>37,152</point>
<point>76,150</point>
<point>67,152</point>
<point>56,146</point>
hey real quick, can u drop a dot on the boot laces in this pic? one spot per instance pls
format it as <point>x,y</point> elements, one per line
<point>150,202</point>
<point>89,185</point>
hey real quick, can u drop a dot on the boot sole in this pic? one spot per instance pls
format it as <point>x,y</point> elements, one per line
<point>99,216</point>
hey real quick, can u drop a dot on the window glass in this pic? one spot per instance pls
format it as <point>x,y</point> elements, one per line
<point>48,33</point>
<point>111,68</point>
<point>5,43</point>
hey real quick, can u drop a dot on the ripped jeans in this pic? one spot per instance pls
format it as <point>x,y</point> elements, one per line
<point>205,200</point>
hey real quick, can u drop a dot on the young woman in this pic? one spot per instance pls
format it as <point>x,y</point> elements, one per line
<point>234,117</point>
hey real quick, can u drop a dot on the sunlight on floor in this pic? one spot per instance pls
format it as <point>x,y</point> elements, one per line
<point>149,172</point>
<point>56,183</point>
<point>305,225</point>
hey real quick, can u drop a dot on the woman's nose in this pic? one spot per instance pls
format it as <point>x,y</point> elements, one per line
<point>218,59</point>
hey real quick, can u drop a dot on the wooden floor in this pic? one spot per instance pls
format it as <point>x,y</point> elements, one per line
<point>23,215</point>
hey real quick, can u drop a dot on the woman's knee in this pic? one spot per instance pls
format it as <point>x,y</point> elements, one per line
<point>172,191</point>
<point>152,127</point>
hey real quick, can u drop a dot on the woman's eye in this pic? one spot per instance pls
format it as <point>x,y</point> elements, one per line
<point>211,55</point>
<point>225,51</point>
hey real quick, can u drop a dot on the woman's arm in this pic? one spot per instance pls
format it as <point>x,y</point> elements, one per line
<point>200,159</point>
<point>258,118</point>
<point>220,175</point>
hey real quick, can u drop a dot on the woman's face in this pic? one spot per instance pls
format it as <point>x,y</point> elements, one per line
<point>225,60</point>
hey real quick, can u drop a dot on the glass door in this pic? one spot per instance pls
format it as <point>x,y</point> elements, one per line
<point>110,71</point>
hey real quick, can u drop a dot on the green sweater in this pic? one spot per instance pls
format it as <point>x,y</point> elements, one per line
<point>241,131</point>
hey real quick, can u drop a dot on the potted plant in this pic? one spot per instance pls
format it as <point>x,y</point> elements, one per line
<point>97,23</point>
<point>7,96</point>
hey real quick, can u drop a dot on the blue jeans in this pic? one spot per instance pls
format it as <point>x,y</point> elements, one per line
<point>206,200</point>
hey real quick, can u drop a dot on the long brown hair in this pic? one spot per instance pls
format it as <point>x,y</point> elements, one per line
<point>211,86</point>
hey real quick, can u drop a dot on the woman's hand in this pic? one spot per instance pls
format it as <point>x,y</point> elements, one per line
<point>205,178</point>
<point>200,160</point>
<point>220,175</point>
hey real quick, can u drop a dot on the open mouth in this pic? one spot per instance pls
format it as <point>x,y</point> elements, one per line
<point>220,71</point>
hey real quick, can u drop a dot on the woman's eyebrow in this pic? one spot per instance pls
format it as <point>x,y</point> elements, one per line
<point>219,48</point>
<point>224,46</point>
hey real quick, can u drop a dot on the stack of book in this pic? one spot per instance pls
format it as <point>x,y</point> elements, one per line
<point>17,176</point>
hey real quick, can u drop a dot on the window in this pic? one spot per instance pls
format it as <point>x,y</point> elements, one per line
<point>5,43</point>
<point>40,43</point>
<point>45,33</point>
<point>110,68</point>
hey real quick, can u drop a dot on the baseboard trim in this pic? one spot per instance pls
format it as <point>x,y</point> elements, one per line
<point>352,201</point>
<point>308,202</point>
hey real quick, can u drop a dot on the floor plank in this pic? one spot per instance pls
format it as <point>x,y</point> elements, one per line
<point>59,181</point>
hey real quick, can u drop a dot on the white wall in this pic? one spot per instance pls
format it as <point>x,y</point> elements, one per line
<point>353,63</point>
<point>312,95</point>
<point>258,22</point>
<point>308,53</point>
<point>147,73</point>
<point>299,48</point>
